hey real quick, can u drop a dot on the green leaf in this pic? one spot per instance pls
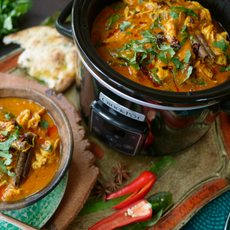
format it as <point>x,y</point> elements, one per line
<point>2,166</point>
<point>10,13</point>
<point>186,11</point>
<point>173,14</point>
<point>6,155</point>
<point>187,56</point>
<point>98,44</point>
<point>190,68</point>
<point>11,174</point>
<point>44,124</point>
<point>49,148</point>
<point>112,19</point>
<point>220,44</point>
<point>125,25</point>
<point>161,200</point>
<point>154,75</point>
<point>162,56</point>
<point>168,49</point>
<point>198,82</point>
<point>222,69</point>
<point>4,133</point>
<point>177,63</point>
<point>158,166</point>
<point>93,205</point>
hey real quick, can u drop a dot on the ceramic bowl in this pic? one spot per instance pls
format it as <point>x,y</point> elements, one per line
<point>66,136</point>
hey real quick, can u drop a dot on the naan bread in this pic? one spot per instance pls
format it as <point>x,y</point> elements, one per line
<point>48,56</point>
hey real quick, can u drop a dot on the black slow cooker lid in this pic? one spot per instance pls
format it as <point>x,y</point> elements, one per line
<point>84,13</point>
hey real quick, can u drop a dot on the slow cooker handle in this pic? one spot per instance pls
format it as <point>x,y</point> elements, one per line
<point>61,20</point>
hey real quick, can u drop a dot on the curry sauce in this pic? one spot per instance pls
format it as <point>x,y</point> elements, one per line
<point>29,148</point>
<point>167,45</point>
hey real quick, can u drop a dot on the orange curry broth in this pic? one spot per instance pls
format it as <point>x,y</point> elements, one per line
<point>107,40</point>
<point>37,178</point>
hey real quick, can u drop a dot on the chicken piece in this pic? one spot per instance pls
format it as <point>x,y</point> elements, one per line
<point>116,37</point>
<point>36,118</point>
<point>170,30</point>
<point>204,70</point>
<point>128,14</point>
<point>23,118</point>
<point>40,160</point>
<point>10,193</point>
<point>163,72</point>
<point>221,60</point>
<point>189,22</point>
<point>6,126</point>
<point>46,155</point>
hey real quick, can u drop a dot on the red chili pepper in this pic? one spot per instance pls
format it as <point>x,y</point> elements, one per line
<point>149,140</point>
<point>139,189</point>
<point>136,212</point>
<point>51,130</point>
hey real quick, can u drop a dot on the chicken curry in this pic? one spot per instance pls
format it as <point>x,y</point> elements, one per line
<point>29,148</point>
<point>167,45</point>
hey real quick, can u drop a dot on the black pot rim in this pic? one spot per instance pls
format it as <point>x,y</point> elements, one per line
<point>81,37</point>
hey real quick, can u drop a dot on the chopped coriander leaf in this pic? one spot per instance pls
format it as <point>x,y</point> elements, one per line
<point>184,35</point>
<point>7,156</point>
<point>44,124</point>
<point>42,82</point>
<point>220,44</point>
<point>117,6</point>
<point>5,146</point>
<point>187,56</point>
<point>177,63</point>
<point>111,20</point>
<point>8,116</point>
<point>125,25</point>
<point>178,9</point>
<point>98,44</point>
<point>11,174</point>
<point>4,133</point>
<point>190,69</point>
<point>173,14</point>
<point>168,49</point>
<point>49,148</point>
<point>154,75</point>
<point>2,166</point>
<point>222,69</point>
<point>198,82</point>
<point>147,62</point>
<point>162,57</point>
<point>156,23</point>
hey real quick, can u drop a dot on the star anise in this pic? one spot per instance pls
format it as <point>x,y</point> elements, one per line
<point>101,192</point>
<point>120,173</point>
<point>112,185</point>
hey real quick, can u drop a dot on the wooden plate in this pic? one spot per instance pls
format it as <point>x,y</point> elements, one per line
<point>82,173</point>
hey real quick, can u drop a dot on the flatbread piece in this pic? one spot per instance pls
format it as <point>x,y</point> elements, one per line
<point>47,55</point>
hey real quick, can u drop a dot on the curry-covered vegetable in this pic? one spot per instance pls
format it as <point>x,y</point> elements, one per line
<point>171,45</point>
<point>29,148</point>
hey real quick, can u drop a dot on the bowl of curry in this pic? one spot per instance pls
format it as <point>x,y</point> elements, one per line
<point>36,146</point>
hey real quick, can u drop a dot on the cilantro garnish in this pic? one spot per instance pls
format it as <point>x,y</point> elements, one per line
<point>8,116</point>
<point>154,75</point>
<point>156,22</point>
<point>198,82</point>
<point>190,69</point>
<point>116,7</point>
<point>4,152</point>
<point>111,20</point>
<point>44,124</point>
<point>168,49</point>
<point>162,57</point>
<point>177,63</point>
<point>177,9</point>
<point>10,13</point>
<point>220,44</point>
<point>187,56</point>
<point>98,44</point>
<point>125,25</point>
<point>222,69</point>
<point>173,14</point>
<point>4,133</point>
<point>49,148</point>
<point>184,34</point>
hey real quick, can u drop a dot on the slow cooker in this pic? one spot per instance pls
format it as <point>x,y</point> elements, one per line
<point>127,116</point>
